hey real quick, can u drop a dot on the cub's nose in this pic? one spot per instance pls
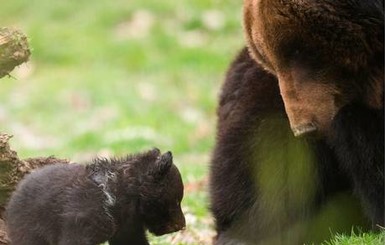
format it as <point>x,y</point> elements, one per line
<point>177,227</point>
<point>180,224</point>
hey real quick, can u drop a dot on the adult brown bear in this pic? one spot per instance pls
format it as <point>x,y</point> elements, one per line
<point>300,140</point>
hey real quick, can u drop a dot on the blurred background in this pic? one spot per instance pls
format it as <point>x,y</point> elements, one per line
<point>107,78</point>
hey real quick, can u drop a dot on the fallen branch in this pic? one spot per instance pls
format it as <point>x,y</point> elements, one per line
<point>14,50</point>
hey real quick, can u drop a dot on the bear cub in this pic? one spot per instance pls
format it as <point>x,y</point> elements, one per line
<point>114,200</point>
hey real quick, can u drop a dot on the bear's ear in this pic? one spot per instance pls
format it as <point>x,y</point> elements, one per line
<point>162,165</point>
<point>154,151</point>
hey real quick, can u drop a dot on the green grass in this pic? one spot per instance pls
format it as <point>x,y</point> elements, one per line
<point>358,239</point>
<point>115,77</point>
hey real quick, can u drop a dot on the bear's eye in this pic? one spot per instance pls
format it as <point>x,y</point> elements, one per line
<point>293,53</point>
<point>296,53</point>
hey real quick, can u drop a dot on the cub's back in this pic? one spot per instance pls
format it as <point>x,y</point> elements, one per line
<point>35,205</point>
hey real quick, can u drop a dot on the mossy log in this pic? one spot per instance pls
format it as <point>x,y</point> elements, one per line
<point>12,170</point>
<point>14,50</point>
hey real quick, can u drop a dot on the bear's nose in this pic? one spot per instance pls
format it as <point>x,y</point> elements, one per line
<point>305,129</point>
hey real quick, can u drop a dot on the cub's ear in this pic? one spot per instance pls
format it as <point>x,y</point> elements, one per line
<point>155,151</point>
<point>162,165</point>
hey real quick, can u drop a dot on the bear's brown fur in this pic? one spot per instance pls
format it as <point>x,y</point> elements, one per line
<point>325,54</point>
<point>311,68</point>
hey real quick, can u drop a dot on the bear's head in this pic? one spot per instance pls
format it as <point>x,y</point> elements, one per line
<point>161,193</point>
<point>325,55</point>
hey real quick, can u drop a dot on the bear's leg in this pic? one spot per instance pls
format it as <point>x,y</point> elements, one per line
<point>130,233</point>
<point>29,240</point>
<point>141,240</point>
<point>86,230</point>
<point>358,139</point>
<point>71,237</point>
<point>79,238</point>
<point>231,181</point>
<point>77,241</point>
<point>250,181</point>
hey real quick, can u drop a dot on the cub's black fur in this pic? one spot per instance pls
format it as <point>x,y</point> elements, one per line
<point>113,200</point>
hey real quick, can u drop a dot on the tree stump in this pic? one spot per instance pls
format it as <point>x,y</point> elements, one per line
<point>14,50</point>
<point>12,170</point>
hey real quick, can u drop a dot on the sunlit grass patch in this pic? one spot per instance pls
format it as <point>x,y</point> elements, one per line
<point>358,239</point>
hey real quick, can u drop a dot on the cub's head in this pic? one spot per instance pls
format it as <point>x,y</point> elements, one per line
<point>325,55</point>
<point>161,193</point>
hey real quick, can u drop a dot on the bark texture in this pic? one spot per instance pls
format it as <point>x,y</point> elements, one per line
<point>14,50</point>
<point>12,170</point>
